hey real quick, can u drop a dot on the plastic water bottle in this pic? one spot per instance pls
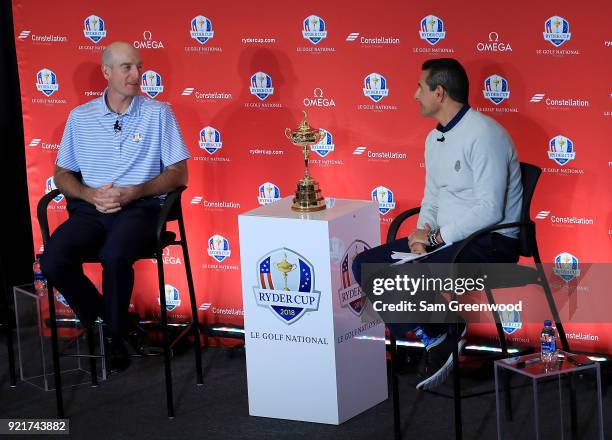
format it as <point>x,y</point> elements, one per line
<point>548,344</point>
<point>40,283</point>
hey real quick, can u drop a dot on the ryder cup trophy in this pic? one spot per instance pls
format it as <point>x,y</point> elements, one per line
<point>308,195</point>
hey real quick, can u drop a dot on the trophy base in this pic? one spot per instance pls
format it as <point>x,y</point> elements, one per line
<point>308,197</point>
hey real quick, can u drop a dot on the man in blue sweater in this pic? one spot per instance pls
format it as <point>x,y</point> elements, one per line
<point>472,181</point>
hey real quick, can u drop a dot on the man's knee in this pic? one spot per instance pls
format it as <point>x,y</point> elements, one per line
<point>54,264</point>
<point>115,259</point>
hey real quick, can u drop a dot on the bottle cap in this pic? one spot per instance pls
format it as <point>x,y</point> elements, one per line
<point>548,323</point>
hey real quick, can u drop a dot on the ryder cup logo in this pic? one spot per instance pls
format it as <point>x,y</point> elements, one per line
<point>556,30</point>
<point>60,299</point>
<point>561,149</point>
<point>375,87</point>
<point>325,145</point>
<point>496,89</point>
<point>566,266</point>
<point>173,298</point>
<point>510,321</point>
<point>94,29</point>
<point>261,85</point>
<point>46,82</point>
<point>432,29</point>
<point>350,294</point>
<point>210,140</point>
<point>201,29</point>
<point>268,193</point>
<point>286,285</point>
<point>151,83</point>
<point>218,248</point>
<point>50,186</point>
<point>384,197</point>
<point>314,29</point>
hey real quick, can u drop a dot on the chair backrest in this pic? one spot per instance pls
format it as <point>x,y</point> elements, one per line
<point>529,178</point>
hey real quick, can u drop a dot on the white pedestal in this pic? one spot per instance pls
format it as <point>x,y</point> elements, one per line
<point>314,351</point>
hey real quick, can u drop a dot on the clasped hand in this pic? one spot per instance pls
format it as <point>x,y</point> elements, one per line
<point>419,239</point>
<point>109,199</point>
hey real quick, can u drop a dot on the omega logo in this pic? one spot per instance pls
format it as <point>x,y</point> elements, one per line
<point>148,42</point>
<point>493,45</point>
<point>318,100</point>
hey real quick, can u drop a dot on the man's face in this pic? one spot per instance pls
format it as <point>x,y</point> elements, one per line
<point>123,73</point>
<point>429,100</point>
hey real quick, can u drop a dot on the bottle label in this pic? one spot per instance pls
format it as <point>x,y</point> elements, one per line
<point>548,346</point>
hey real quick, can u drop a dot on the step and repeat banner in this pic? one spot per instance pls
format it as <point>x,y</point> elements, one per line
<point>238,73</point>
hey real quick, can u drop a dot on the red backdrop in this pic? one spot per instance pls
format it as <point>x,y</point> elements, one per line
<point>540,70</point>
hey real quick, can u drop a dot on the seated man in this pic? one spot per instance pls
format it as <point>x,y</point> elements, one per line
<point>472,181</point>
<point>128,150</point>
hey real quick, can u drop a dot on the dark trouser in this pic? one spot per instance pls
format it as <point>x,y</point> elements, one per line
<point>117,241</point>
<point>489,248</point>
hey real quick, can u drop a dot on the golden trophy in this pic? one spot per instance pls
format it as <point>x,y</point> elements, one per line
<point>308,195</point>
<point>285,267</point>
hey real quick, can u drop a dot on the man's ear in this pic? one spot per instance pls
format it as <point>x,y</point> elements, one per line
<point>105,71</point>
<point>440,92</point>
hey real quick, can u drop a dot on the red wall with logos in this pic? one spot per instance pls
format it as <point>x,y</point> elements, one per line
<point>541,72</point>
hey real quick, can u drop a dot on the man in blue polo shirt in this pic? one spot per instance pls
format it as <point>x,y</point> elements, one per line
<point>118,153</point>
<point>472,181</point>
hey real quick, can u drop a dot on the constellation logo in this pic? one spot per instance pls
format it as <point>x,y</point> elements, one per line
<point>196,200</point>
<point>46,82</point>
<point>286,285</point>
<point>318,100</point>
<point>360,150</point>
<point>496,89</point>
<point>173,297</point>
<point>95,29</point>
<point>268,193</point>
<point>314,29</point>
<point>210,140</point>
<point>566,266</point>
<point>559,103</point>
<point>205,306</point>
<point>151,83</point>
<point>34,142</point>
<point>23,35</point>
<point>556,30</point>
<point>187,91</point>
<point>201,29</point>
<point>542,215</point>
<point>372,41</point>
<point>261,85</point>
<point>50,186</point>
<point>218,248</point>
<point>148,42</point>
<point>325,145</point>
<point>432,29</point>
<point>375,87</point>
<point>561,149</point>
<point>385,199</point>
<point>493,44</point>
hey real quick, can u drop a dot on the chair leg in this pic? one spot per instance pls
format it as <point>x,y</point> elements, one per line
<point>498,325</point>
<point>504,347</point>
<point>92,356</point>
<point>194,309</point>
<point>166,338</point>
<point>397,428</point>
<point>454,333</point>
<point>55,354</point>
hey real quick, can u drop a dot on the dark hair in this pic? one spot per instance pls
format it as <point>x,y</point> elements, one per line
<point>450,74</point>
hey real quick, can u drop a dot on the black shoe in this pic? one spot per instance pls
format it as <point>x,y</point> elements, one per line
<point>117,356</point>
<point>437,362</point>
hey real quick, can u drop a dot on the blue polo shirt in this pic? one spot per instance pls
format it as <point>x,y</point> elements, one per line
<point>149,141</point>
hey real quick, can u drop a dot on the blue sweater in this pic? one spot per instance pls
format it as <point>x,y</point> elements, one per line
<point>473,178</point>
